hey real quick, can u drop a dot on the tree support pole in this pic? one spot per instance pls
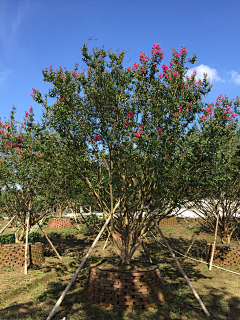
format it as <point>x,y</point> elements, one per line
<point>193,240</point>
<point>214,243</point>
<point>7,225</point>
<point>106,241</point>
<point>77,272</point>
<point>26,246</point>
<point>50,242</point>
<point>146,251</point>
<point>183,273</point>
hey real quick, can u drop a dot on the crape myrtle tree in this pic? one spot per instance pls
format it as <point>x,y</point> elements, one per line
<point>29,159</point>
<point>220,186</point>
<point>139,121</point>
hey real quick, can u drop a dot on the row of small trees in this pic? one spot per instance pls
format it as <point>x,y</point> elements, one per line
<point>125,148</point>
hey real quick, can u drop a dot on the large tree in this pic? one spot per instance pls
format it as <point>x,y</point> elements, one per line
<point>140,122</point>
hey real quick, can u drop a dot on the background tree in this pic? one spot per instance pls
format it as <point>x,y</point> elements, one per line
<point>219,188</point>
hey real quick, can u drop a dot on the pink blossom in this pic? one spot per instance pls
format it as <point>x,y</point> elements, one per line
<point>175,74</point>
<point>176,114</point>
<point>131,115</point>
<point>97,138</point>
<point>138,134</point>
<point>50,67</point>
<point>165,68</point>
<point>165,157</point>
<point>204,118</point>
<point>159,131</point>
<point>63,99</point>
<point>127,124</point>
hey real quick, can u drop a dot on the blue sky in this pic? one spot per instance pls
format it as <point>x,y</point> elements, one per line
<point>35,34</point>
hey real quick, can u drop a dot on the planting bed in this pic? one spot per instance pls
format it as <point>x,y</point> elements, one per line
<point>168,222</point>
<point>14,254</point>
<point>59,223</point>
<point>224,255</point>
<point>135,289</point>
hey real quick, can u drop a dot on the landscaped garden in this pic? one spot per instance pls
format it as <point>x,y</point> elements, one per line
<point>32,296</point>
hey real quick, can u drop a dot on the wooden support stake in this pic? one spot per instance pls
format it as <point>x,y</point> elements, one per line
<point>193,240</point>
<point>74,214</point>
<point>214,243</point>
<point>146,251</point>
<point>7,225</point>
<point>50,242</point>
<point>187,222</point>
<point>183,273</point>
<point>77,272</point>
<point>156,240</point>
<point>106,241</point>
<point>26,247</point>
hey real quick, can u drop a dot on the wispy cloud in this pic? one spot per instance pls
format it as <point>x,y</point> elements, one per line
<point>3,76</point>
<point>11,18</point>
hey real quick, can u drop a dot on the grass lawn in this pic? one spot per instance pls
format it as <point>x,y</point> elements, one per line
<point>33,296</point>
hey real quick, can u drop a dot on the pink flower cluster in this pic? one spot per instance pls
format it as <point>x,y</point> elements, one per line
<point>127,124</point>
<point>156,49</point>
<point>208,109</point>
<point>175,74</point>
<point>227,110</point>
<point>131,115</point>
<point>143,56</point>
<point>97,138</point>
<point>135,66</point>
<point>138,134</point>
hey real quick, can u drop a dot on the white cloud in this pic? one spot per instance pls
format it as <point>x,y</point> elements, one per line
<point>211,73</point>
<point>235,77</point>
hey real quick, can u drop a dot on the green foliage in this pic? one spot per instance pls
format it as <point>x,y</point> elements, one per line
<point>10,238</point>
<point>7,238</point>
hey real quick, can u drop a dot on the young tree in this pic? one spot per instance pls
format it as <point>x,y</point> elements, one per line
<point>22,163</point>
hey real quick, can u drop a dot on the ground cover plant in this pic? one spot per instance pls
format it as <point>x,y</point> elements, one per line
<point>32,296</point>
